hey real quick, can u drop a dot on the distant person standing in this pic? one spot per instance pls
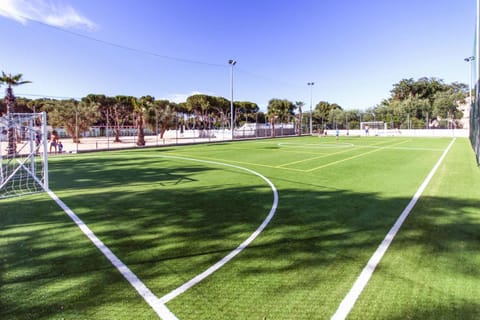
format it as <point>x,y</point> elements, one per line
<point>366,130</point>
<point>337,133</point>
<point>38,140</point>
<point>53,141</point>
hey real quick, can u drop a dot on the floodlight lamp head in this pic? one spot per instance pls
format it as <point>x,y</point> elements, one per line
<point>232,62</point>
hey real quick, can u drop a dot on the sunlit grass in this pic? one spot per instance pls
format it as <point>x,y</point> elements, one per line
<point>169,219</point>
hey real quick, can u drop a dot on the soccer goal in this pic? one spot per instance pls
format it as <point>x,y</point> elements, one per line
<point>23,154</point>
<point>373,127</point>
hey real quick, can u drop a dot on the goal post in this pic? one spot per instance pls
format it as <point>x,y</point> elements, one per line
<point>378,125</point>
<point>373,127</point>
<point>23,154</point>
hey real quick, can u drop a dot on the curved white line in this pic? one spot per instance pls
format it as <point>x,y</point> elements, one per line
<point>176,292</point>
<point>158,305</point>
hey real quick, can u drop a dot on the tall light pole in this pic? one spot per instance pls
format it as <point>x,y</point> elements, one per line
<point>231,63</point>
<point>470,59</point>
<point>76,128</point>
<point>310,84</point>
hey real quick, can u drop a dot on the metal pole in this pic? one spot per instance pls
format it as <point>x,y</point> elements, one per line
<point>156,124</point>
<point>470,89</point>
<point>310,84</point>
<point>106,132</point>
<point>232,125</point>
<point>470,60</point>
<point>76,128</point>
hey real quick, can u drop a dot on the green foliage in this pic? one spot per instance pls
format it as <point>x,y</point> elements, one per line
<point>75,117</point>
<point>279,110</point>
<point>161,116</point>
<point>12,80</point>
<point>327,112</point>
<point>424,99</point>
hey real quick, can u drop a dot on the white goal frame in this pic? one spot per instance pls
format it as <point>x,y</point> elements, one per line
<point>23,154</point>
<point>378,125</point>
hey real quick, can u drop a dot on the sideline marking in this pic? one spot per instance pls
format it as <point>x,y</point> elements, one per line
<point>160,309</point>
<point>158,305</point>
<point>349,301</point>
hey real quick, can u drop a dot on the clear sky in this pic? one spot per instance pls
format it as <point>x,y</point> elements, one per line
<point>353,50</point>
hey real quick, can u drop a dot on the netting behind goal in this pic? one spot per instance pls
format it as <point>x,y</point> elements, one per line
<point>23,154</point>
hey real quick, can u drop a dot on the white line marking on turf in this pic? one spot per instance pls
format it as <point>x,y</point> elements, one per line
<point>158,305</point>
<point>240,248</point>
<point>349,301</point>
<point>161,310</point>
<point>317,145</point>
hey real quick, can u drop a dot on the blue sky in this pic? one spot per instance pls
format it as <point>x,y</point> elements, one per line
<point>354,51</point>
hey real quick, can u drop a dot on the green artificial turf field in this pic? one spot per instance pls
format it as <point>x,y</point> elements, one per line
<point>171,213</point>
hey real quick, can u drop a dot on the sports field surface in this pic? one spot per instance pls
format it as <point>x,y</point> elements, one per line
<point>269,229</point>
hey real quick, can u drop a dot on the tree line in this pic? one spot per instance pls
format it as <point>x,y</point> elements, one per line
<point>412,103</point>
<point>199,111</point>
<point>421,103</point>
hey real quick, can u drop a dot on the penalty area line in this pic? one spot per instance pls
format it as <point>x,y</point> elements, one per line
<point>160,309</point>
<point>351,298</point>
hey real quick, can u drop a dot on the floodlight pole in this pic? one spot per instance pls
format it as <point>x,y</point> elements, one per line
<point>310,84</point>
<point>76,128</point>
<point>106,132</point>
<point>470,60</point>
<point>232,125</point>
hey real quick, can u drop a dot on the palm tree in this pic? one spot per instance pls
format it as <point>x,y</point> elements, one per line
<point>11,81</point>
<point>279,110</point>
<point>140,108</point>
<point>299,105</point>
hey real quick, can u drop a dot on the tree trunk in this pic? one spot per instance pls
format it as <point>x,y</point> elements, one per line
<point>116,131</point>
<point>11,136</point>
<point>162,132</point>
<point>273,126</point>
<point>300,125</point>
<point>141,133</point>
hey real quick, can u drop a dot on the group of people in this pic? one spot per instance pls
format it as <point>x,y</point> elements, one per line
<point>55,143</point>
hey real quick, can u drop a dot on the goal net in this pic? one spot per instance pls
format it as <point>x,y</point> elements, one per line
<point>23,154</point>
<point>377,125</point>
<point>373,127</point>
